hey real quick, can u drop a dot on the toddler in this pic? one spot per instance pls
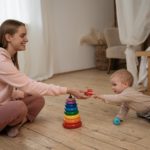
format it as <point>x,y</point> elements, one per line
<point>126,96</point>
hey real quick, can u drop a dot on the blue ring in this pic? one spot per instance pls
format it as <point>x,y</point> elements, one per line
<point>71,109</point>
<point>70,105</point>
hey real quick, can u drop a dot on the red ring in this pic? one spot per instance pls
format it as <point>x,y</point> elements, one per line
<point>72,126</point>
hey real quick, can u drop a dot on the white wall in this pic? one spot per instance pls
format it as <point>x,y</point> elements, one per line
<point>72,19</point>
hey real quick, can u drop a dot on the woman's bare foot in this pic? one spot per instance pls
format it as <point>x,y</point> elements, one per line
<point>14,131</point>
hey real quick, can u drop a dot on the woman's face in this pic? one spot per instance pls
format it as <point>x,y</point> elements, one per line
<point>17,42</point>
<point>117,85</point>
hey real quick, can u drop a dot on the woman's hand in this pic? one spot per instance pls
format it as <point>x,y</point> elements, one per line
<point>77,93</point>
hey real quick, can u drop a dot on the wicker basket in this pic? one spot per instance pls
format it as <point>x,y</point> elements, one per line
<point>100,57</point>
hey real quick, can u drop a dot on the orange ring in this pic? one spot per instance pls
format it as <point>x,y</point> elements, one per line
<point>72,120</point>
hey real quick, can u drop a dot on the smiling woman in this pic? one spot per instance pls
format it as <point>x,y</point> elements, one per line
<point>21,97</point>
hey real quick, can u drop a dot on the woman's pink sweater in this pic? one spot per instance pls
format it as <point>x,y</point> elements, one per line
<point>11,77</point>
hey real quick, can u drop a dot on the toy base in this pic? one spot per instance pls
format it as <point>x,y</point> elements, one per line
<point>72,126</point>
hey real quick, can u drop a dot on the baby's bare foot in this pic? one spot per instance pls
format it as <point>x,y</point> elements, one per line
<point>13,132</point>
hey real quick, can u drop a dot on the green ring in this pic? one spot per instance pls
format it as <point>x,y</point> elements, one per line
<point>71,113</point>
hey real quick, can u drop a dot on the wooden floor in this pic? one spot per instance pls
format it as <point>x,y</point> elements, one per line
<point>97,132</point>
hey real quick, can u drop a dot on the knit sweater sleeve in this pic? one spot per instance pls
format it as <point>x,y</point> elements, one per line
<point>123,99</point>
<point>115,98</point>
<point>10,75</point>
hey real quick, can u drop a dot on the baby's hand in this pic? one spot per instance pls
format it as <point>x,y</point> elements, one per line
<point>96,96</point>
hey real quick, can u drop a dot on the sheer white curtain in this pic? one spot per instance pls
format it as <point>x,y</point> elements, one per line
<point>36,61</point>
<point>134,27</point>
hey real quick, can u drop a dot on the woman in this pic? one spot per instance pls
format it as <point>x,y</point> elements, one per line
<point>21,98</point>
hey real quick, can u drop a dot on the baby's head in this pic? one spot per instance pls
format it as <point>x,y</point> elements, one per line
<point>120,80</point>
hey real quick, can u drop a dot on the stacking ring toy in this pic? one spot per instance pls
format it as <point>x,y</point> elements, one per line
<point>71,114</point>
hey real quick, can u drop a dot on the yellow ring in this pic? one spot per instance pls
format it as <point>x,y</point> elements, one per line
<point>72,117</point>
